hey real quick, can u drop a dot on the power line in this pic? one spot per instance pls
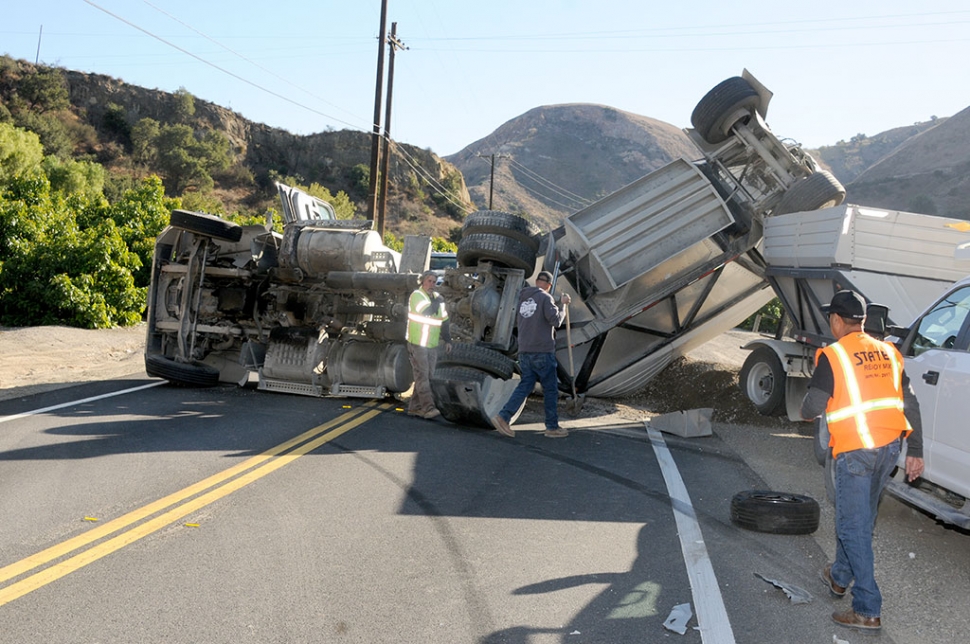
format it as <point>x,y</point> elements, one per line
<point>563,192</point>
<point>224,71</point>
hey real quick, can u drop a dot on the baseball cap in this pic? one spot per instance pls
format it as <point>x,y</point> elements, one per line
<point>544,276</point>
<point>847,304</point>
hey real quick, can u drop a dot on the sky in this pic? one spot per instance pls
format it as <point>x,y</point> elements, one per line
<point>836,68</point>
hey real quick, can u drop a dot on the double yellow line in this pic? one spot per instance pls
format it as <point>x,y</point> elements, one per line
<point>185,502</point>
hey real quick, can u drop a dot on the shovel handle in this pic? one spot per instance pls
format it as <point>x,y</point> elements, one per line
<point>569,348</point>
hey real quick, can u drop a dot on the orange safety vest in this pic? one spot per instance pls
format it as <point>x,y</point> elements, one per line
<point>866,407</point>
<point>424,330</point>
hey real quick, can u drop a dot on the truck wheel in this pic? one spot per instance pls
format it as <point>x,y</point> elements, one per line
<point>208,225</point>
<point>469,355</point>
<point>814,192</point>
<point>730,102</point>
<point>504,251</point>
<point>821,441</point>
<point>181,373</point>
<point>830,476</point>
<point>503,223</point>
<point>762,379</point>
<point>775,512</point>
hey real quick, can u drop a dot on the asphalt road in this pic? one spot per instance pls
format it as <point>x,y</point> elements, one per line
<point>233,515</point>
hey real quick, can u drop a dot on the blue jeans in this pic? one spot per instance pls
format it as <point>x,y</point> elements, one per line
<point>860,476</point>
<point>541,367</point>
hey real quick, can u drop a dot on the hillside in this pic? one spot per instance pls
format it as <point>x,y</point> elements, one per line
<point>101,117</point>
<point>929,172</point>
<point>554,160</point>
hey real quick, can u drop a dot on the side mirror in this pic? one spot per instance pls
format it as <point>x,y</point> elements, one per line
<point>876,316</point>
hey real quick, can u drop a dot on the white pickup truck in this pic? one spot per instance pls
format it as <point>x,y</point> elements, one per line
<point>936,348</point>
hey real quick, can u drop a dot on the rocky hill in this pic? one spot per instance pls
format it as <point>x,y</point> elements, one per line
<point>99,114</point>
<point>556,159</point>
<point>548,163</point>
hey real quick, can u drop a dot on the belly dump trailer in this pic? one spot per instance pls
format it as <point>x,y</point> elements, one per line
<point>900,262</point>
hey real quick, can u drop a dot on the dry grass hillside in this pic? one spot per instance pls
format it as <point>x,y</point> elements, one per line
<point>928,173</point>
<point>554,160</point>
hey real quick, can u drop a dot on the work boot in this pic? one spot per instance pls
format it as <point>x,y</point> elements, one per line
<point>502,426</point>
<point>556,432</point>
<point>834,588</point>
<point>853,619</point>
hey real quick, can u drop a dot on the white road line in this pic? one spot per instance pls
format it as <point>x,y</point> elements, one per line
<point>712,618</point>
<point>34,412</point>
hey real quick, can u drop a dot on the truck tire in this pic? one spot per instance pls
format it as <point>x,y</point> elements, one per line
<point>503,223</point>
<point>775,512</point>
<point>181,373</point>
<point>762,379</point>
<point>208,225</point>
<point>830,477</point>
<point>821,441</point>
<point>490,361</point>
<point>814,192</point>
<point>502,250</point>
<point>731,101</point>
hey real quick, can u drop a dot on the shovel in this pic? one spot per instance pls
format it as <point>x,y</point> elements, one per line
<point>575,404</point>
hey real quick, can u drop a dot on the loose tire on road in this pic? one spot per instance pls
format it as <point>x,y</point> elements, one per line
<point>181,373</point>
<point>208,225</point>
<point>505,224</point>
<point>481,358</point>
<point>775,512</point>
<point>762,379</point>
<point>731,101</point>
<point>818,190</point>
<point>502,250</point>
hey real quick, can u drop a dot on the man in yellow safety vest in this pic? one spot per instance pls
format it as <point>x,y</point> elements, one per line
<point>870,406</point>
<point>427,326</point>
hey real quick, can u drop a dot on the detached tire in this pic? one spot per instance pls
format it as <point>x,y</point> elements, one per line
<point>762,379</point>
<point>814,192</point>
<point>730,102</point>
<point>208,225</point>
<point>775,512</point>
<point>475,357</point>
<point>181,373</point>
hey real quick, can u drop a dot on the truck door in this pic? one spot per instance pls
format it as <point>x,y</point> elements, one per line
<point>938,364</point>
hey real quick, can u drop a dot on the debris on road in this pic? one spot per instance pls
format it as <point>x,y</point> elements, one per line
<point>795,594</point>
<point>678,618</point>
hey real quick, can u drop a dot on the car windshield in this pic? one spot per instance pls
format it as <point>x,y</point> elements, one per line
<point>442,262</point>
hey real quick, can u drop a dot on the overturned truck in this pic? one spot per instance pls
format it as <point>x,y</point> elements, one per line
<point>654,270</point>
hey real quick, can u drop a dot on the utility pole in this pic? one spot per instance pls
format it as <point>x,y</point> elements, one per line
<point>39,37</point>
<point>393,44</point>
<point>491,179</point>
<point>375,148</point>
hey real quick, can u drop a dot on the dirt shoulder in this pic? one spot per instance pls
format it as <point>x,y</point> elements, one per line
<point>39,359</point>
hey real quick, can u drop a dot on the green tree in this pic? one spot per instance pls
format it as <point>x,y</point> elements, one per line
<point>184,105</point>
<point>71,177</point>
<point>20,153</point>
<point>144,141</point>
<point>45,90</point>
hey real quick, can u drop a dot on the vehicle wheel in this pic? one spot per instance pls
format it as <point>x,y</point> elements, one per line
<point>503,223</point>
<point>775,512</point>
<point>446,381</point>
<point>818,190</point>
<point>762,378</point>
<point>731,101</point>
<point>181,373</point>
<point>469,355</point>
<point>504,251</point>
<point>208,225</point>
<point>821,441</point>
<point>830,477</point>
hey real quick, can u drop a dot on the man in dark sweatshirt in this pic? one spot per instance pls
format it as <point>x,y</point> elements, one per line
<point>537,320</point>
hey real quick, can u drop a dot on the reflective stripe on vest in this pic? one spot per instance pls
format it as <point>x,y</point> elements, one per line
<point>423,330</point>
<point>856,409</point>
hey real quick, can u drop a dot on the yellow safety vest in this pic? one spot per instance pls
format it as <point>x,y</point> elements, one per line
<point>424,330</point>
<point>866,407</point>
